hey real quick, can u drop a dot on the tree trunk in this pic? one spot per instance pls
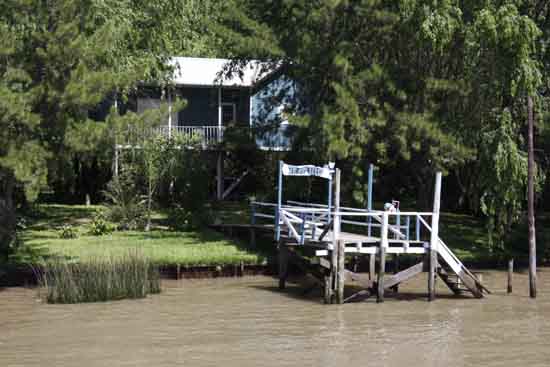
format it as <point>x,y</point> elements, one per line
<point>530,202</point>
<point>149,199</point>
<point>7,212</point>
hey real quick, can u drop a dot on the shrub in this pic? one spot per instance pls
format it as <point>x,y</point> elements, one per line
<point>67,232</point>
<point>126,206</point>
<point>181,219</point>
<point>96,280</point>
<point>100,226</point>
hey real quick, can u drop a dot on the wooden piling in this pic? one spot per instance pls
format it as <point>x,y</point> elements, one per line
<point>395,288</point>
<point>434,238</point>
<point>283,265</point>
<point>328,287</point>
<point>510,274</point>
<point>341,270</point>
<point>252,237</point>
<point>382,258</point>
<point>372,266</point>
<point>335,237</point>
<point>381,273</point>
<point>531,166</point>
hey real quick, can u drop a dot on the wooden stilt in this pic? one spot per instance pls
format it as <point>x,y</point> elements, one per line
<point>431,274</point>
<point>355,263</point>
<point>434,238</point>
<point>283,265</point>
<point>395,288</point>
<point>381,273</point>
<point>219,176</point>
<point>252,237</point>
<point>372,266</point>
<point>382,258</point>
<point>333,273</point>
<point>328,287</point>
<point>335,237</point>
<point>510,274</point>
<point>341,269</point>
<point>252,224</point>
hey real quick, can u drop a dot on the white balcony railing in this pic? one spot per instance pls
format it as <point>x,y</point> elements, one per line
<point>194,135</point>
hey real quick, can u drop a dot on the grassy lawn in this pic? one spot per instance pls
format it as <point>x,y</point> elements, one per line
<point>464,234</point>
<point>162,246</point>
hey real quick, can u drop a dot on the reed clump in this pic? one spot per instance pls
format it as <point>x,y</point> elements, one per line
<point>131,275</point>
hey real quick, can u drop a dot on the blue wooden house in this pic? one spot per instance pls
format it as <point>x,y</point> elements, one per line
<point>253,101</point>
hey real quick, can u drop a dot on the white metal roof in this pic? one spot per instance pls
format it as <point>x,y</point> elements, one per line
<point>206,72</point>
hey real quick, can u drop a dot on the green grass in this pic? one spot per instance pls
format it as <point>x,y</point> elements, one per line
<point>465,234</point>
<point>161,246</point>
<point>99,280</point>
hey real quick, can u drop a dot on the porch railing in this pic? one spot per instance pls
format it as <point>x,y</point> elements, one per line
<point>194,135</point>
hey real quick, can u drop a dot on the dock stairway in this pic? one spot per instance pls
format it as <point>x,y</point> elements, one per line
<point>456,276</point>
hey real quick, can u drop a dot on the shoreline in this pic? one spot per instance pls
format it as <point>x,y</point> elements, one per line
<point>22,275</point>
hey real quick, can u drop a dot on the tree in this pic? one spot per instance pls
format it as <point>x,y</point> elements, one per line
<point>415,86</point>
<point>531,203</point>
<point>58,60</point>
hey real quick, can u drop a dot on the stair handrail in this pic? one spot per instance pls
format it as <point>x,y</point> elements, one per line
<point>448,251</point>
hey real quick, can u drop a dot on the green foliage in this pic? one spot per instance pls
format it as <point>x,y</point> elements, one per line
<point>181,219</point>
<point>99,225</point>
<point>67,232</point>
<point>125,204</point>
<point>60,60</point>
<point>413,86</point>
<point>99,280</point>
<point>505,181</point>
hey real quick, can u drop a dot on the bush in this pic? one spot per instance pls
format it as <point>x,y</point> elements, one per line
<point>100,226</point>
<point>181,219</point>
<point>126,207</point>
<point>96,280</point>
<point>67,232</point>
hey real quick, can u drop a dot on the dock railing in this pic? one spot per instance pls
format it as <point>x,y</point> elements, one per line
<point>389,223</point>
<point>308,221</point>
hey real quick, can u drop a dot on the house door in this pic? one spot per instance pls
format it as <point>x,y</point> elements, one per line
<point>229,113</point>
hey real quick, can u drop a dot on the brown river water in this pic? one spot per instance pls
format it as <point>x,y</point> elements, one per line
<point>248,322</point>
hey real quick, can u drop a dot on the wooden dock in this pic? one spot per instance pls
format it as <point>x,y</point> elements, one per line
<point>320,239</point>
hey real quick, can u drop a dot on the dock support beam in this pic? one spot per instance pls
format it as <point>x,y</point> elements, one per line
<point>372,266</point>
<point>219,176</point>
<point>283,265</point>
<point>328,287</point>
<point>434,238</point>
<point>252,225</point>
<point>395,288</point>
<point>369,197</point>
<point>382,254</point>
<point>335,261</point>
<point>340,277</point>
<point>510,274</point>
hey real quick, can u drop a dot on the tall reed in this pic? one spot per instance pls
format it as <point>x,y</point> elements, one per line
<point>99,279</point>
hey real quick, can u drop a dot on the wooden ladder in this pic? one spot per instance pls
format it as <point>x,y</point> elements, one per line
<point>452,281</point>
<point>461,279</point>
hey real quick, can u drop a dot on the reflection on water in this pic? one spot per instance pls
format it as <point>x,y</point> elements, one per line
<point>247,322</point>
